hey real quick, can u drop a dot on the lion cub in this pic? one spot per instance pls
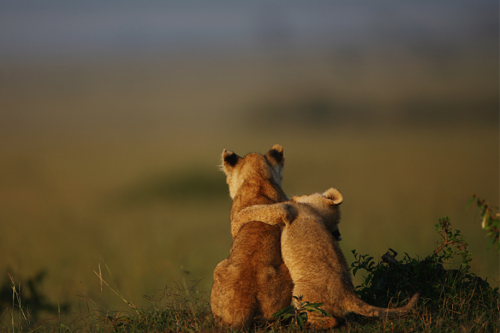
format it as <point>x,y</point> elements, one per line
<point>253,283</point>
<point>313,256</point>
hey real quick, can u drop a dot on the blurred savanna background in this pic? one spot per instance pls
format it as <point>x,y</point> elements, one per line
<point>113,117</point>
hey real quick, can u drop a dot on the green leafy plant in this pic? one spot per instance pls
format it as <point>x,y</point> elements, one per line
<point>297,314</point>
<point>451,244</point>
<point>391,279</point>
<point>445,292</point>
<point>490,221</point>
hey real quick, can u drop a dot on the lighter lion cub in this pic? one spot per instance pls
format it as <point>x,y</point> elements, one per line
<point>312,254</point>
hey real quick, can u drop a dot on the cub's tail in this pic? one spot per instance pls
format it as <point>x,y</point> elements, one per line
<point>355,304</point>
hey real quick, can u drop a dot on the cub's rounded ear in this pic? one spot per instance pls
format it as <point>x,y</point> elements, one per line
<point>334,195</point>
<point>290,213</point>
<point>229,159</point>
<point>275,154</point>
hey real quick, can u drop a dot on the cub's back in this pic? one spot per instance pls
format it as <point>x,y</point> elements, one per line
<point>307,247</point>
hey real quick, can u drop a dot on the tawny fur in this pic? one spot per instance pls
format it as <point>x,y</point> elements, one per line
<point>253,283</point>
<point>318,268</point>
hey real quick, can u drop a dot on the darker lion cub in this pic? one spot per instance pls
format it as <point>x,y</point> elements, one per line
<point>313,256</point>
<point>253,283</point>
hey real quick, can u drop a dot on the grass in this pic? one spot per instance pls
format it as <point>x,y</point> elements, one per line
<point>453,300</point>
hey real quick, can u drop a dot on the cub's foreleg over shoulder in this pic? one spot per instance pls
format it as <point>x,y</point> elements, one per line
<point>281,213</point>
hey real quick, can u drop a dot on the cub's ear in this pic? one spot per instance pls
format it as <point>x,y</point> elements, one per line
<point>229,160</point>
<point>275,154</point>
<point>334,196</point>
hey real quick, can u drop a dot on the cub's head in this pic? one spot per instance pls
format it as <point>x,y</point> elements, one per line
<point>327,206</point>
<point>254,165</point>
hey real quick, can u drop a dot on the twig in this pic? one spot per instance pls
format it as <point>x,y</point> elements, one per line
<point>129,303</point>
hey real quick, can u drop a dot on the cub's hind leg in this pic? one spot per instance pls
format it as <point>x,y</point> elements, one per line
<point>321,322</point>
<point>231,305</point>
<point>217,295</point>
<point>313,293</point>
<point>276,293</point>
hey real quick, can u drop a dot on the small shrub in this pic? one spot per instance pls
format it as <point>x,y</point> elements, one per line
<point>297,315</point>
<point>445,293</point>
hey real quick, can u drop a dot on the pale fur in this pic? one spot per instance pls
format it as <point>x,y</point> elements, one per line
<point>253,283</point>
<point>318,268</point>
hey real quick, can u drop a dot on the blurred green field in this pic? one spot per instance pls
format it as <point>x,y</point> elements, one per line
<point>141,188</point>
<point>61,209</point>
